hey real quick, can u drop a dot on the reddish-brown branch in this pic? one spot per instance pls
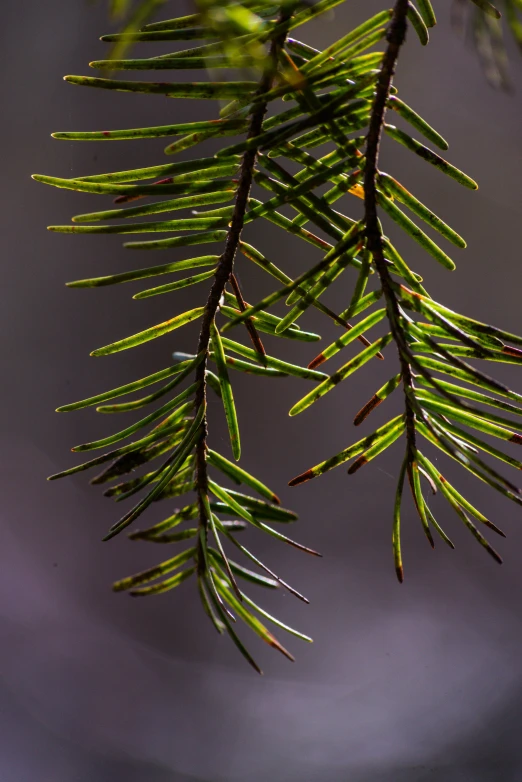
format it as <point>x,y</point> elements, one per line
<point>249,323</point>
<point>225,268</point>
<point>395,37</point>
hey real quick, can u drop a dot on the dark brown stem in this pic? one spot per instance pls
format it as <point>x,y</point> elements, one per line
<point>225,268</point>
<point>395,37</point>
<point>249,323</point>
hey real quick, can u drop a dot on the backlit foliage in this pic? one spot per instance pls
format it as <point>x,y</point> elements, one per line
<point>282,103</point>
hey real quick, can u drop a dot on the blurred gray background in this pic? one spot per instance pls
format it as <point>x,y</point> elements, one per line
<point>408,683</point>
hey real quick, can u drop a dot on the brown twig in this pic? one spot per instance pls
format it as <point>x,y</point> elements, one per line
<point>395,37</point>
<point>224,270</point>
<point>249,323</point>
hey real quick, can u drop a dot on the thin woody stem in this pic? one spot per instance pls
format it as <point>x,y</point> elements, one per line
<point>395,37</point>
<point>249,323</point>
<point>224,271</point>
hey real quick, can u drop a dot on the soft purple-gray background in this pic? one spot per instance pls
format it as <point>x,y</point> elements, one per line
<point>412,683</point>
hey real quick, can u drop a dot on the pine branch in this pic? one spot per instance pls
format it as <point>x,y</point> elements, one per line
<point>338,95</point>
<point>225,269</point>
<point>396,37</point>
<point>429,416</point>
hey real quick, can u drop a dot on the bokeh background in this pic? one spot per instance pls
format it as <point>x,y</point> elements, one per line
<point>408,683</point>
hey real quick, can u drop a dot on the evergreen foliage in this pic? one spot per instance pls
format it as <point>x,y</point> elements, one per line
<point>246,53</point>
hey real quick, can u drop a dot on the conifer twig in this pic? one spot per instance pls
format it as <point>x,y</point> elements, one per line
<point>225,269</point>
<point>396,37</point>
